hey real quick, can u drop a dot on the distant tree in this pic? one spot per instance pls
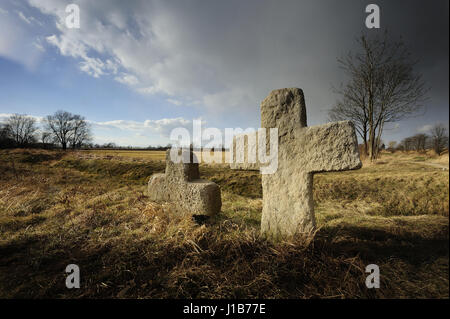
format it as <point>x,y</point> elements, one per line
<point>439,138</point>
<point>382,88</point>
<point>61,126</point>
<point>407,144</point>
<point>419,141</point>
<point>81,132</point>
<point>68,129</point>
<point>46,137</point>
<point>391,146</point>
<point>400,147</point>
<point>21,129</point>
<point>3,131</point>
<point>109,145</point>
<point>5,139</point>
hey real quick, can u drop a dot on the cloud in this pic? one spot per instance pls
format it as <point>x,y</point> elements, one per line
<point>28,20</point>
<point>23,17</point>
<point>224,57</point>
<point>5,116</point>
<point>17,40</point>
<point>193,55</point>
<point>175,102</point>
<point>127,79</point>
<point>91,65</point>
<point>425,128</point>
<point>163,127</point>
<point>38,45</point>
<point>141,133</point>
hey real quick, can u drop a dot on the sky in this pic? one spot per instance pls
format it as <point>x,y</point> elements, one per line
<point>138,69</point>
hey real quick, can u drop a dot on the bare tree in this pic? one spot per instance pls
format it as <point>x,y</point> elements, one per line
<point>21,129</point>
<point>81,132</point>
<point>68,129</point>
<point>352,106</point>
<point>46,137</point>
<point>407,144</point>
<point>5,138</point>
<point>439,138</point>
<point>391,146</point>
<point>382,88</point>
<point>419,141</point>
<point>61,126</point>
<point>4,133</point>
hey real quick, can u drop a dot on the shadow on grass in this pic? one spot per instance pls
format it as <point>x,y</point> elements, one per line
<point>219,267</point>
<point>379,245</point>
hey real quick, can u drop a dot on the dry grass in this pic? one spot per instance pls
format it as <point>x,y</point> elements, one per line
<point>133,155</point>
<point>57,209</point>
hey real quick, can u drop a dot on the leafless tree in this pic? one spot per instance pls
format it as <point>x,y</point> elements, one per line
<point>439,138</point>
<point>46,137</point>
<point>3,131</point>
<point>81,132</point>
<point>407,144</point>
<point>419,141</point>
<point>68,129</point>
<point>5,138</point>
<point>21,129</point>
<point>61,126</point>
<point>382,88</point>
<point>352,106</point>
<point>391,146</point>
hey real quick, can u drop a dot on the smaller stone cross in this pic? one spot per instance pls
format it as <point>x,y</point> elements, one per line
<point>182,187</point>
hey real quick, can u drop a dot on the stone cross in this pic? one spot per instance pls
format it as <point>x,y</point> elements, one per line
<point>288,206</point>
<point>182,187</point>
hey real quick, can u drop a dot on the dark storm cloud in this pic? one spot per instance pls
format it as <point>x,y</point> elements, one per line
<point>224,57</point>
<point>424,27</point>
<point>295,43</point>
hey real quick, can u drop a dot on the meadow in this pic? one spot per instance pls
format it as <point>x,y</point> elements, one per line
<point>90,208</point>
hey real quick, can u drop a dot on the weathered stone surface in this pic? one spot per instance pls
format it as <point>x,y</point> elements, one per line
<point>284,109</point>
<point>182,187</point>
<point>288,206</point>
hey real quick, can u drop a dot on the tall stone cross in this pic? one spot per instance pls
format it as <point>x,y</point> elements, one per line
<point>182,187</point>
<point>288,206</point>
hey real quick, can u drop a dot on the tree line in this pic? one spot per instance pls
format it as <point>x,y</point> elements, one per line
<point>62,129</point>
<point>437,140</point>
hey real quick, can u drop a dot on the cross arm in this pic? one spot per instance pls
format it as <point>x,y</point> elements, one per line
<point>328,147</point>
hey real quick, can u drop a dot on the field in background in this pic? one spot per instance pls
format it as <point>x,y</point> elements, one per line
<point>90,208</point>
<point>125,154</point>
<point>131,155</point>
<point>139,155</point>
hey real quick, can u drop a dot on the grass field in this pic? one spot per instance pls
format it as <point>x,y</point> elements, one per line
<point>90,208</point>
<point>123,154</point>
